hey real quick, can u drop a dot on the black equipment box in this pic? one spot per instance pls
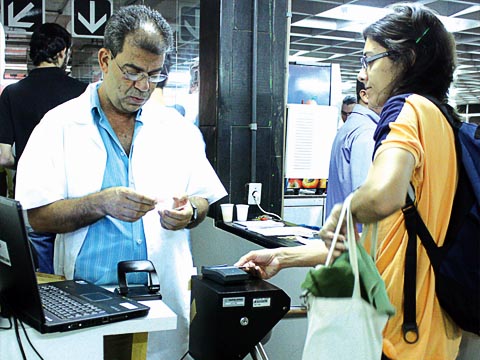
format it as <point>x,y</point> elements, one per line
<point>228,320</point>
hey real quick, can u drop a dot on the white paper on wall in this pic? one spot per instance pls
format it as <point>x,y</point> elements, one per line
<point>310,133</point>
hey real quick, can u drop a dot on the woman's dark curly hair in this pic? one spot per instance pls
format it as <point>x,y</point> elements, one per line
<point>420,45</point>
<point>47,41</point>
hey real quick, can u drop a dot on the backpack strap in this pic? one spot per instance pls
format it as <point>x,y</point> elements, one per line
<point>409,326</point>
<point>415,227</point>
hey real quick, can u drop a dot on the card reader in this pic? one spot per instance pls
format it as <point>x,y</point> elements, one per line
<point>224,274</point>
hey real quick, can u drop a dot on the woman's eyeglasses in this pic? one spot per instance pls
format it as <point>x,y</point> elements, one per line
<point>367,60</point>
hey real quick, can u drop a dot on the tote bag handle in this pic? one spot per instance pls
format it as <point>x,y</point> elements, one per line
<point>351,243</point>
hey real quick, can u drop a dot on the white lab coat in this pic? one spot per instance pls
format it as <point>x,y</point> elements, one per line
<point>65,158</point>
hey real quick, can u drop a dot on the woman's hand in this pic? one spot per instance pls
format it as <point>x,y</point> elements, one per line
<point>328,231</point>
<point>261,263</point>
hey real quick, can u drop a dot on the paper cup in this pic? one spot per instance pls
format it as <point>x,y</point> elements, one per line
<point>242,212</point>
<point>227,212</point>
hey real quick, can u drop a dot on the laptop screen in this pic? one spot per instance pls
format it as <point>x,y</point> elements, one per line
<point>18,283</point>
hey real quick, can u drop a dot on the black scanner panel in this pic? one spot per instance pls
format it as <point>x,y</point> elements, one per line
<point>228,320</point>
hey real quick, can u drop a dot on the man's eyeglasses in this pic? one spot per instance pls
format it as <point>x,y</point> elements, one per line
<point>344,113</point>
<point>139,76</point>
<point>367,60</point>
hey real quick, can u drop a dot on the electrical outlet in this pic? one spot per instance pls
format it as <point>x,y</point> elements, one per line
<point>254,193</point>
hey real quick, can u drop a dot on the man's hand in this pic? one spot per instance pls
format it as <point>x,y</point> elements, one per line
<point>178,217</point>
<point>125,204</point>
<point>68,215</point>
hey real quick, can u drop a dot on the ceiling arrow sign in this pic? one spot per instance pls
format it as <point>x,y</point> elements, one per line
<point>14,20</point>
<point>194,30</point>
<point>190,24</point>
<point>22,15</point>
<point>90,17</point>
<point>92,25</point>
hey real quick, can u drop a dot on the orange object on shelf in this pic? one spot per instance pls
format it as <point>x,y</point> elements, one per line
<point>294,184</point>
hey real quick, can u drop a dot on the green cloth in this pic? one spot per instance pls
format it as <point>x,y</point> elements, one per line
<point>336,280</point>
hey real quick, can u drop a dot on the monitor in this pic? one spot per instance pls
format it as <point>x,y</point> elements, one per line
<point>309,84</point>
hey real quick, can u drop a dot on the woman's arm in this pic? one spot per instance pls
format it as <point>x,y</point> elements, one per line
<point>385,188</point>
<point>266,263</point>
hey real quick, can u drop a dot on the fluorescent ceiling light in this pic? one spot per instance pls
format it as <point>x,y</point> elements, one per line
<point>357,13</point>
<point>300,53</point>
<point>456,24</point>
<point>345,17</point>
<point>327,37</point>
<point>334,56</point>
<point>317,24</point>
<point>466,11</point>
<point>304,59</point>
<point>463,66</point>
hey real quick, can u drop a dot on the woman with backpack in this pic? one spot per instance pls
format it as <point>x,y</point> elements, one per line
<point>408,54</point>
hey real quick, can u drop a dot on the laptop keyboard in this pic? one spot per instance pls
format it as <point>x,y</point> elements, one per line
<point>61,304</point>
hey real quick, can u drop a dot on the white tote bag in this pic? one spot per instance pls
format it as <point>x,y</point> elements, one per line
<point>344,328</point>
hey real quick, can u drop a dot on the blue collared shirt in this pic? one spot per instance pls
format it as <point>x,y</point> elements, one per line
<point>351,155</point>
<point>110,240</point>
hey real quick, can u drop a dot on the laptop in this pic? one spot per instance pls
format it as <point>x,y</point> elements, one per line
<point>47,307</point>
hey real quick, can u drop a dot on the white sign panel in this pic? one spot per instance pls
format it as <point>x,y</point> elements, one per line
<point>311,130</point>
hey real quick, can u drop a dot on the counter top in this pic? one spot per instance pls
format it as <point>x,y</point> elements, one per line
<point>269,242</point>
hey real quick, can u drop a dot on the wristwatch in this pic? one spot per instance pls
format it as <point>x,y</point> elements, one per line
<point>194,215</point>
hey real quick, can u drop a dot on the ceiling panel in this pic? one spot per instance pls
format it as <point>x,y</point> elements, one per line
<point>322,31</point>
<point>325,31</point>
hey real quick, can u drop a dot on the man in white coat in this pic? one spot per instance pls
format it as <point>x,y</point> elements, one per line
<point>118,181</point>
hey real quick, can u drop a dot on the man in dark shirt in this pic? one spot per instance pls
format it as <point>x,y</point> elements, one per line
<point>23,105</point>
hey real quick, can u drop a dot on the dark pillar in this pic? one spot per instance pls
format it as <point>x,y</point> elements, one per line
<point>226,36</point>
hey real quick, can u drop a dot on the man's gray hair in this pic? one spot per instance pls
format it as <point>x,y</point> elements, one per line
<point>151,31</point>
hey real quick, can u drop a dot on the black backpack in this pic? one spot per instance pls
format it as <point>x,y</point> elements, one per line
<point>456,264</point>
